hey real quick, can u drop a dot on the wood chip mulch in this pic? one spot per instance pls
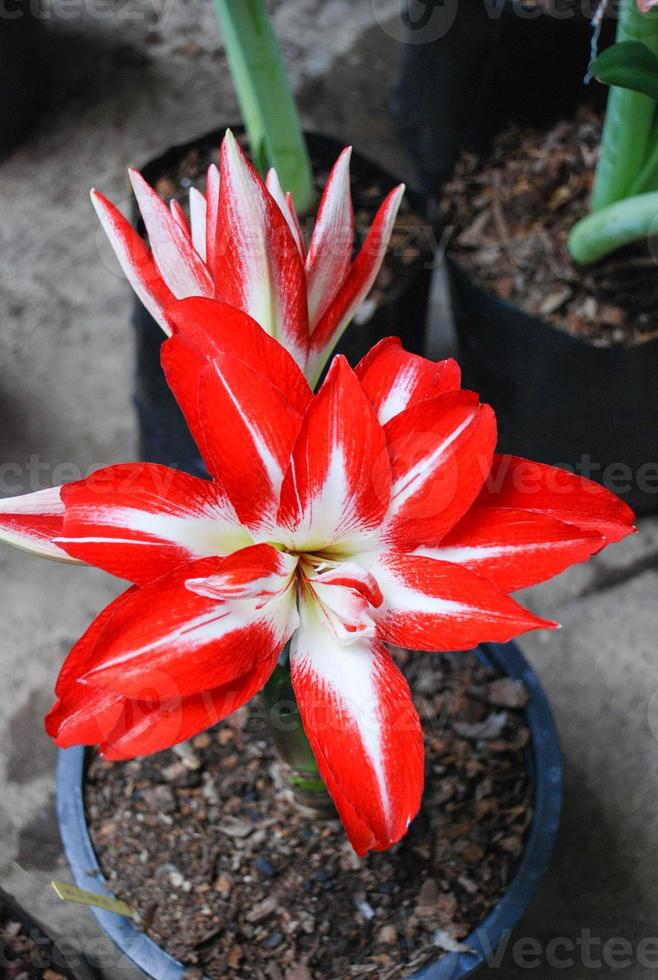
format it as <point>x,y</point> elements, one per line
<point>234,880</point>
<point>510,215</point>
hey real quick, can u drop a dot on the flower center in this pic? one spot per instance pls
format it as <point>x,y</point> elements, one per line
<point>344,594</point>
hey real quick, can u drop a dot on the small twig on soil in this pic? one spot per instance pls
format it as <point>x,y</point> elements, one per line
<point>497,210</point>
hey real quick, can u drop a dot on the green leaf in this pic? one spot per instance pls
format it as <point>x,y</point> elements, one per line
<point>266,102</point>
<point>629,117</point>
<point>630,65</point>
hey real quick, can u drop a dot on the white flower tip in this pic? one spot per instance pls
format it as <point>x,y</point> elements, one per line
<point>212,179</point>
<point>341,168</point>
<point>231,152</point>
<point>273,185</point>
<point>99,203</point>
<point>229,143</point>
<point>137,181</point>
<point>393,202</point>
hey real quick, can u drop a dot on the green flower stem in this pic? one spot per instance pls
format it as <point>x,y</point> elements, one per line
<point>629,118</point>
<point>292,744</point>
<point>268,109</point>
<point>614,226</point>
<point>647,179</point>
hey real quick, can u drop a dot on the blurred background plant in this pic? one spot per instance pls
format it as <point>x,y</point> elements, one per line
<point>625,193</point>
<point>268,109</point>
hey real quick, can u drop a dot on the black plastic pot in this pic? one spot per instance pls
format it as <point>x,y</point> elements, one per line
<point>557,398</point>
<point>544,764</point>
<point>164,437</point>
<point>20,71</point>
<point>471,66</point>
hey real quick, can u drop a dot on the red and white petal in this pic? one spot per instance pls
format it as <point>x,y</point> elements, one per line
<point>124,728</point>
<point>350,574</point>
<point>441,452</point>
<point>86,715</point>
<point>33,522</point>
<point>514,548</point>
<point>356,287</point>
<point>135,258</point>
<point>260,572</point>
<point>147,727</point>
<point>212,216</point>
<point>364,731</point>
<point>81,654</point>
<point>243,425</point>
<point>176,258</point>
<point>298,233</point>
<point>435,605</point>
<point>198,627</point>
<point>394,379</point>
<point>198,212</point>
<point>257,266</point>
<point>337,488</point>
<point>249,430</point>
<point>139,520</point>
<point>83,715</point>
<point>330,250</point>
<point>525,485</point>
<point>286,208</point>
<point>179,217</point>
<point>182,366</point>
<point>212,328</point>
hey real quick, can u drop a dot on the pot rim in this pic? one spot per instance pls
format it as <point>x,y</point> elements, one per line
<point>317,139</point>
<point>546,769</point>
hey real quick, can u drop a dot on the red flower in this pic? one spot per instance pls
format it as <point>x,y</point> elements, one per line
<point>373,513</point>
<point>244,246</point>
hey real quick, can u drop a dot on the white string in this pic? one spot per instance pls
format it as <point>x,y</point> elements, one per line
<point>597,22</point>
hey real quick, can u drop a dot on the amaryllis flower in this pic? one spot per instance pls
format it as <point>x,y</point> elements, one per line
<point>244,246</point>
<point>374,513</point>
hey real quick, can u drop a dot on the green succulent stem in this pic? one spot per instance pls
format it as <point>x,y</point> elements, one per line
<point>629,120</point>
<point>294,749</point>
<point>266,102</point>
<point>613,227</point>
<point>647,178</point>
